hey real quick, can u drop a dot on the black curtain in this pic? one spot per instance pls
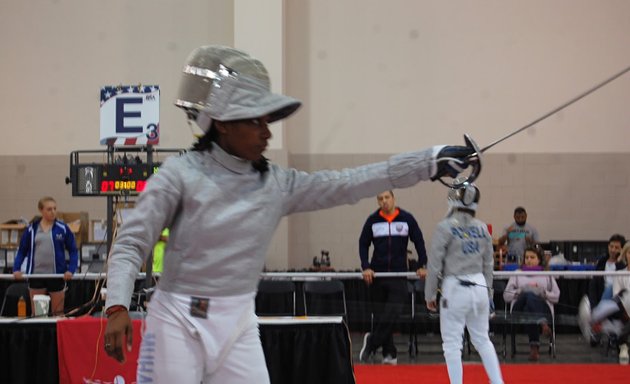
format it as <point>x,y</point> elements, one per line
<point>29,353</point>
<point>308,354</point>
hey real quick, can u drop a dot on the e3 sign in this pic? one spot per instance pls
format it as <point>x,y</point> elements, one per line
<point>130,115</point>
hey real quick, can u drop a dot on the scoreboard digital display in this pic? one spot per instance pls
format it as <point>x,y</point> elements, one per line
<point>110,179</point>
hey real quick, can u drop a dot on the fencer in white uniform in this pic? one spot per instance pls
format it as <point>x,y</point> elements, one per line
<point>461,257</point>
<point>222,202</point>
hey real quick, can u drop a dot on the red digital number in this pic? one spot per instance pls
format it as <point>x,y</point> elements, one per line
<point>107,186</point>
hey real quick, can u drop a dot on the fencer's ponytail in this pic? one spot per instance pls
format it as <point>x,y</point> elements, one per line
<point>205,142</point>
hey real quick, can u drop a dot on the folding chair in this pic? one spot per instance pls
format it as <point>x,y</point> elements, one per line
<point>413,287</point>
<point>532,318</point>
<point>500,317</point>
<point>275,298</point>
<point>324,297</point>
<point>416,289</point>
<point>11,297</point>
<point>424,320</point>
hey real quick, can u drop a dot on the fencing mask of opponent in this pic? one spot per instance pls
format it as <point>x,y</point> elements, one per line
<point>466,196</point>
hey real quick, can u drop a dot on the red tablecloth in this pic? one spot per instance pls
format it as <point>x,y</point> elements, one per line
<point>82,358</point>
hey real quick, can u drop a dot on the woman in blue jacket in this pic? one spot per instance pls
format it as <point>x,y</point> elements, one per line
<point>43,247</point>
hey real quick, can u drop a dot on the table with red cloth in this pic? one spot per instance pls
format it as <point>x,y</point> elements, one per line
<point>51,350</point>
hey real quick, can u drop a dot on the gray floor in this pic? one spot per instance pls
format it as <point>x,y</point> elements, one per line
<point>570,348</point>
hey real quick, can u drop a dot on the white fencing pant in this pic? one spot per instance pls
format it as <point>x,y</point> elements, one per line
<point>602,311</point>
<point>225,347</point>
<point>466,306</point>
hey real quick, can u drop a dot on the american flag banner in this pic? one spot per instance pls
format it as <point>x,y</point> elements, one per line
<point>130,115</point>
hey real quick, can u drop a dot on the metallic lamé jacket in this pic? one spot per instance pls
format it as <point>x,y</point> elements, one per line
<point>222,215</point>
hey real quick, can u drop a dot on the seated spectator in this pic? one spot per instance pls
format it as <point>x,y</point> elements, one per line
<point>533,294</point>
<point>600,287</point>
<point>610,316</point>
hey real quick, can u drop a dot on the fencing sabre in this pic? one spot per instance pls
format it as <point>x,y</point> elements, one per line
<point>474,159</point>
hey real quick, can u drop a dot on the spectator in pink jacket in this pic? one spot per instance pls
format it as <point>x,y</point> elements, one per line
<point>533,294</point>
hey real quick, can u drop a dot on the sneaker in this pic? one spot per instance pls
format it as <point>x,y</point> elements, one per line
<point>365,352</point>
<point>623,354</point>
<point>390,360</point>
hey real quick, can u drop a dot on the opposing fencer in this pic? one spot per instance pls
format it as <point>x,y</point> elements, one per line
<point>461,257</point>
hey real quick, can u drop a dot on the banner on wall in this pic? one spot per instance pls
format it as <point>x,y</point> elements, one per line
<point>130,115</point>
<point>82,358</point>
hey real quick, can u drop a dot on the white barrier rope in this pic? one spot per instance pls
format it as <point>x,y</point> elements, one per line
<point>300,276</point>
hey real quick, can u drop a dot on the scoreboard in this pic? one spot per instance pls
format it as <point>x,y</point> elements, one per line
<point>94,179</point>
<point>118,171</point>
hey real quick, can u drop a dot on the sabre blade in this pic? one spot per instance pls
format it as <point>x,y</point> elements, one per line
<point>556,110</point>
<point>474,159</point>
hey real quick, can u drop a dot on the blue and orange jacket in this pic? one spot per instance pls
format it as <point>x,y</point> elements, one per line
<point>390,239</point>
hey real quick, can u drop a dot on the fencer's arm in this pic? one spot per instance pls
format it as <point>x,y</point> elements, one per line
<point>488,262</point>
<point>440,239</point>
<point>156,207</point>
<point>327,188</point>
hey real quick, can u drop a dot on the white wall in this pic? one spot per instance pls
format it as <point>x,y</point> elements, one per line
<point>57,54</point>
<point>376,78</point>
<point>380,77</point>
<point>404,74</point>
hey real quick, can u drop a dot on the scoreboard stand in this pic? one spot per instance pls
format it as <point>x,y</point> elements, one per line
<point>117,173</point>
